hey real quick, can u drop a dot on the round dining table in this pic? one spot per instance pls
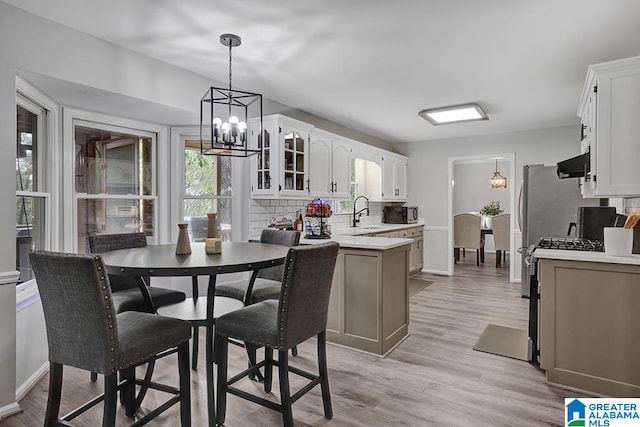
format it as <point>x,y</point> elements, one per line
<point>161,260</point>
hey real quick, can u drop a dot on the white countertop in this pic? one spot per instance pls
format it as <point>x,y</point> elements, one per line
<point>361,242</point>
<point>354,237</point>
<point>585,256</point>
<point>378,228</point>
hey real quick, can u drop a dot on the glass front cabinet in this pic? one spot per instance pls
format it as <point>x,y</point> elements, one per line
<point>281,166</point>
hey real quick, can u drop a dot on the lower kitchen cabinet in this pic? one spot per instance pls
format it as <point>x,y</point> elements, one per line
<point>369,305</point>
<point>416,252</point>
<point>589,326</point>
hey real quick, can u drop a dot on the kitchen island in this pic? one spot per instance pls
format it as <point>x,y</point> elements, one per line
<point>589,321</point>
<point>369,305</point>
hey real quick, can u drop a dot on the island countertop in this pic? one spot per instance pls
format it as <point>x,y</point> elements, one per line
<point>357,237</point>
<point>361,242</point>
<point>587,256</point>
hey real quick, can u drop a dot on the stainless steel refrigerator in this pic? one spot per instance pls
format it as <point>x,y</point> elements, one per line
<point>547,207</point>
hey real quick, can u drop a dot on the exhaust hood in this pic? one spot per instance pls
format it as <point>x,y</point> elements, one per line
<point>575,167</point>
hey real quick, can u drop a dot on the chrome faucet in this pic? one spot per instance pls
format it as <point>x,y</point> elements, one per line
<point>358,214</point>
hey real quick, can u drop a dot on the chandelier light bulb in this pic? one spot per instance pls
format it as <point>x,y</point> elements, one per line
<point>233,120</point>
<point>225,127</point>
<point>217,122</point>
<point>242,127</point>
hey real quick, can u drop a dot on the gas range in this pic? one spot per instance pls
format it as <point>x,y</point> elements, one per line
<point>570,244</point>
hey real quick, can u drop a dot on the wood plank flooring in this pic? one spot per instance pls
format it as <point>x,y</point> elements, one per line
<point>434,378</point>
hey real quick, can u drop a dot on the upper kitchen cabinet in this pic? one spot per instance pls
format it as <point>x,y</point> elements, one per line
<point>298,161</point>
<point>280,169</point>
<point>329,166</point>
<point>264,181</point>
<point>394,178</point>
<point>610,112</point>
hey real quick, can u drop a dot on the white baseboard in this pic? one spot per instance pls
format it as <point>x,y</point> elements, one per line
<point>24,388</point>
<point>438,272</point>
<point>11,409</point>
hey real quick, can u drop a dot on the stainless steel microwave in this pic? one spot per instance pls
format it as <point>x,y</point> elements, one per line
<point>400,214</point>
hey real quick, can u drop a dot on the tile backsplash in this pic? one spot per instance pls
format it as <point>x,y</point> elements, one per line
<point>262,212</point>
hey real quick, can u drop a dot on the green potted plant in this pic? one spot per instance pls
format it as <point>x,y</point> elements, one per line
<point>488,211</point>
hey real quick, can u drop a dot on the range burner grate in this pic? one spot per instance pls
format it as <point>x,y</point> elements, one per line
<point>570,244</point>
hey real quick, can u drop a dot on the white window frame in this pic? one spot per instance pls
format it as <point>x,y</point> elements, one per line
<point>239,182</point>
<point>30,98</point>
<point>160,185</point>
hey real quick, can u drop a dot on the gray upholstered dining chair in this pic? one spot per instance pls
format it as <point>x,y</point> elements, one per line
<point>501,226</point>
<point>467,234</point>
<point>126,293</point>
<point>268,280</point>
<point>85,331</point>
<point>300,313</point>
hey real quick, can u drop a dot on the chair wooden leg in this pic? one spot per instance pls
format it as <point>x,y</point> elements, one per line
<point>324,375</point>
<point>285,391</point>
<point>464,254</point>
<point>268,369</point>
<point>55,393</point>
<point>478,257</point>
<point>294,351</point>
<point>195,292</point>
<point>94,377</point>
<point>222,350</point>
<point>252,355</point>
<point>110,400</point>
<point>185,384</point>
<point>498,258</point>
<point>128,392</point>
<point>194,344</point>
<point>482,255</point>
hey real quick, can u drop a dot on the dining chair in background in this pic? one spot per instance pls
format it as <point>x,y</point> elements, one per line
<point>127,293</point>
<point>501,225</point>
<point>467,234</point>
<point>268,280</point>
<point>85,331</point>
<point>300,313</point>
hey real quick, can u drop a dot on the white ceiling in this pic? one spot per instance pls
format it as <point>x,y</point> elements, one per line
<point>372,65</point>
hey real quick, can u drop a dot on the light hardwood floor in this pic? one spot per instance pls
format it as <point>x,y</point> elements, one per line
<point>434,378</point>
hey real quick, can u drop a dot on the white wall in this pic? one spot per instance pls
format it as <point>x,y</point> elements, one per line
<point>471,188</point>
<point>427,174</point>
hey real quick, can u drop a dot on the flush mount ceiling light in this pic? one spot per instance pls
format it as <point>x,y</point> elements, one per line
<point>453,114</point>
<point>498,180</point>
<point>224,113</point>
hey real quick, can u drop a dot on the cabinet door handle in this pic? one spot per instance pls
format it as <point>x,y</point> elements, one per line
<point>335,187</point>
<point>583,134</point>
<point>308,186</point>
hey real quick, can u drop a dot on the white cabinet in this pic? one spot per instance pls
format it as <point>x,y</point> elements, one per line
<point>294,156</point>
<point>394,178</point>
<point>610,112</point>
<point>298,161</point>
<point>329,166</point>
<point>280,169</point>
<point>264,180</point>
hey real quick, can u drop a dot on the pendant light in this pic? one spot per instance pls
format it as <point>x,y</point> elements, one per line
<point>224,115</point>
<point>498,180</point>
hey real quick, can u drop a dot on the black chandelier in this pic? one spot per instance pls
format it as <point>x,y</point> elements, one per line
<point>227,136</point>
